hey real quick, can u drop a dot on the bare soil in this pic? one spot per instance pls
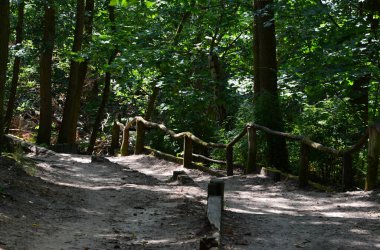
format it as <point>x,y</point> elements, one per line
<point>72,203</point>
<point>127,203</point>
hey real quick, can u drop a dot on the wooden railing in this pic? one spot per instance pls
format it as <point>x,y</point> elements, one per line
<point>373,132</point>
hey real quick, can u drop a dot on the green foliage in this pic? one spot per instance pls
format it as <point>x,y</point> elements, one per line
<point>323,48</point>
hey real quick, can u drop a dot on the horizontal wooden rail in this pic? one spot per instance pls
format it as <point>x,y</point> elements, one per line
<point>181,135</point>
<point>313,144</point>
<point>203,158</point>
<point>251,128</point>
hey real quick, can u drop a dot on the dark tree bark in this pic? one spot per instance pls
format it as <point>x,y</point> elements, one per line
<point>151,103</point>
<point>359,91</point>
<point>16,66</point>
<point>4,40</point>
<point>106,91</point>
<point>359,97</point>
<point>46,110</point>
<point>84,17</point>
<point>267,106</point>
<point>219,78</point>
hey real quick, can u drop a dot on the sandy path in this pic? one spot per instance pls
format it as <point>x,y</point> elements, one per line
<point>83,205</point>
<point>100,206</point>
<point>280,216</point>
<point>261,214</point>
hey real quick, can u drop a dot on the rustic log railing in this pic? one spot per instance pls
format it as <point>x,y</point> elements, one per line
<point>251,129</point>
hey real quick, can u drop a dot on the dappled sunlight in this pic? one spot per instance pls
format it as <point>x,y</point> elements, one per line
<point>281,216</point>
<point>76,158</point>
<point>123,206</point>
<point>103,205</point>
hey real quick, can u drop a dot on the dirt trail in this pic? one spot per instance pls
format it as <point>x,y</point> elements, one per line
<point>126,204</point>
<point>82,205</point>
<point>262,214</point>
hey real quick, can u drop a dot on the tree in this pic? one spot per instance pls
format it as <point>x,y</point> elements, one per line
<point>16,65</point>
<point>84,18</point>
<point>267,106</point>
<point>106,89</point>
<point>46,112</point>
<point>4,40</point>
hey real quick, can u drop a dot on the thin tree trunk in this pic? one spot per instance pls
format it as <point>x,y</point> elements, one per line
<point>16,66</point>
<point>373,157</point>
<point>218,76</point>
<point>4,40</point>
<point>106,91</point>
<point>267,110</point>
<point>359,97</point>
<point>151,103</point>
<point>46,110</point>
<point>67,133</point>
<point>101,110</point>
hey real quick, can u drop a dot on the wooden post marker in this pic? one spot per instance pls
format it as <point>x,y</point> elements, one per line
<point>188,152</point>
<point>215,203</point>
<point>216,188</point>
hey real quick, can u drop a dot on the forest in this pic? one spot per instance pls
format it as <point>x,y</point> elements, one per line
<point>71,70</point>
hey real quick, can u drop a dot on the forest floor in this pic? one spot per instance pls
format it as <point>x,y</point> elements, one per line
<point>70,202</point>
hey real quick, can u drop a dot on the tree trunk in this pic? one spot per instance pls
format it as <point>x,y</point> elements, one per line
<point>46,110</point>
<point>252,150</point>
<point>303,176</point>
<point>219,78</point>
<point>4,40</point>
<point>373,158</point>
<point>101,110</point>
<point>16,67</point>
<point>151,103</point>
<point>348,175</point>
<point>84,18</point>
<point>359,97</point>
<point>230,160</point>
<point>106,91</point>
<point>187,152</point>
<point>267,106</point>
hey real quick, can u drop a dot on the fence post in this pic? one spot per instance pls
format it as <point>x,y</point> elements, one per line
<point>304,165</point>
<point>348,176</point>
<point>125,143</point>
<point>139,147</point>
<point>229,160</point>
<point>114,138</point>
<point>252,150</point>
<point>188,152</point>
<point>373,157</point>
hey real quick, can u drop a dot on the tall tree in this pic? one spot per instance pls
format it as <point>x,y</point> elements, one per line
<point>267,106</point>
<point>78,70</point>
<point>106,89</point>
<point>46,60</point>
<point>4,40</point>
<point>16,66</point>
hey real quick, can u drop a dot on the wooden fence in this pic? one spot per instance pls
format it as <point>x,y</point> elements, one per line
<point>251,129</point>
